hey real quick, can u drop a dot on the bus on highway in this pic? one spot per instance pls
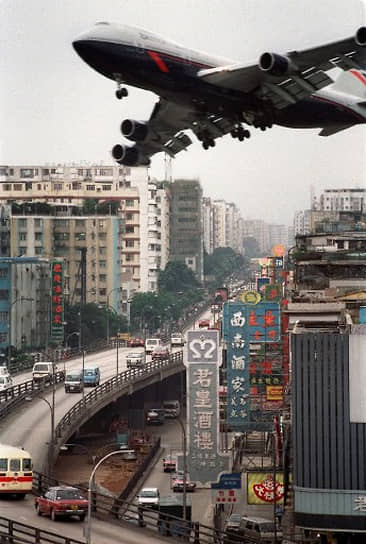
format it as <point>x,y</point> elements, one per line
<point>16,476</point>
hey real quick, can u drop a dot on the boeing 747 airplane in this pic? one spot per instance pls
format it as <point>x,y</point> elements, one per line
<point>215,96</point>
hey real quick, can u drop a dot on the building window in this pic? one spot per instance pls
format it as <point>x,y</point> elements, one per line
<point>38,223</point>
<point>76,185</point>
<point>22,251</point>
<point>3,273</point>
<point>58,186</point>
<point>38,236</point>
<point>90,187</point>
<point>107,187</point>
<point>129,216</point>
<point>102,264</point>
<point>102,251</point>
<point>129,258</point>
<point>130,243</point>
<point>130,202</point>
<point>4,316</point>
<point>26,173</point>
<point>80,236</point>
<point>22,236</point>
<point>80,223</point>
<point>102,236</point>
<point>7,186</point>
<point>129,229</point>
<point>38,250</point>
<point>3,337</point>
<point>102,277</point>
<point>102,292</point>
<point>101,224</point>
<point>45,172</point>
<point>4,294</point>
<point>3,172</point>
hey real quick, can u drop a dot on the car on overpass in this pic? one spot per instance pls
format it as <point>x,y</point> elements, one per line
<point>62,502</point>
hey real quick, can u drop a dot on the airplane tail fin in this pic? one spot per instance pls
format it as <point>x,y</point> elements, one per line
<point>352,82</point>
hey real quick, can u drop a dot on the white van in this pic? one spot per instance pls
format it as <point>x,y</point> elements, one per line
<point>259,530</point>
<point>43,371</point>
<point>151,343</point>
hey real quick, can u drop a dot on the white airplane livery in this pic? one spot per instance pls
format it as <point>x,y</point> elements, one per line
<point>214,96</point>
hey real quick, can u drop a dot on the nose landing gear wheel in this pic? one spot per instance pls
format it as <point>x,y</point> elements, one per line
<point>120,93</point>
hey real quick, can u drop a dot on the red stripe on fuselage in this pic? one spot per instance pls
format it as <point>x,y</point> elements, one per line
<point>359,76</point>
<point>159,61</point>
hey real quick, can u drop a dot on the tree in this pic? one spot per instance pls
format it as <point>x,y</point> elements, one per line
<point>222,263</point>
<point>177,277</point>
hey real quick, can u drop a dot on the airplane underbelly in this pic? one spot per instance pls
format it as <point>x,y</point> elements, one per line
<point>314,113</point>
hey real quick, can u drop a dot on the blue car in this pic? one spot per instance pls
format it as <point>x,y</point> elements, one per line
<point>91,376</point>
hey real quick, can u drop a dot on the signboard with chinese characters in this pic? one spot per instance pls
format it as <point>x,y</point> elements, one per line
<point>57,301</point>
<point>261,488</point>
<point>249,370</point>
<point>205,462</point>
<point>237,346</point>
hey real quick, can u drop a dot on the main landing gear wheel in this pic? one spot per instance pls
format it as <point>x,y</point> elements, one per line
<point>121,93</point>
<point>208,143</point>
<point>240,133</point>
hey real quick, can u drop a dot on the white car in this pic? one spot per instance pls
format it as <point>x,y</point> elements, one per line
<point>135,359</point>
<point>176,339</point>
<point>5,382</point>
<point>148,496</point>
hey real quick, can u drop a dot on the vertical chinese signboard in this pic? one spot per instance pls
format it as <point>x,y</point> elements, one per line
<point>237,345</point>
<point>205,461</point>
<point>254,364</point>
<point>57,302</point>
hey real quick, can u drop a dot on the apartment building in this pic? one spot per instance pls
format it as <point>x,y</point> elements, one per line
<point>117,215</point>
<point>208,225</point>
<point>186,240</point>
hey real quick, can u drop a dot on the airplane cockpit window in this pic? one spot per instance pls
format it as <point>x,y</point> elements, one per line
<point>102,23</point>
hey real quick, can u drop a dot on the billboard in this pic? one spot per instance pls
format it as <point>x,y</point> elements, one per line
<point>261,488</point>
<point>202,362</point>
<point>57,301</point>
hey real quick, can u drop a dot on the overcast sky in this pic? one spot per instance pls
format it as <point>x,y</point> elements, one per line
<point>56,109</point>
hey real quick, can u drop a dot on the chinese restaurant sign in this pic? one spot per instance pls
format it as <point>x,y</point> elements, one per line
<point>261,488</point>
<point>205,462</point>
<point>243,326</point>
<point>57,301</point>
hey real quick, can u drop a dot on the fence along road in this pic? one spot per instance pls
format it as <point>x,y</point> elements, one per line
<point>29,426</point>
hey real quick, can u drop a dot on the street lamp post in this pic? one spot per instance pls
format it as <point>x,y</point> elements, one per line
<point>111,291</point>
<point>90,486</point>
<point>184,440</point>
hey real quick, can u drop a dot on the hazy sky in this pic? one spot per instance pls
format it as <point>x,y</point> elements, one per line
<point>54,108</point>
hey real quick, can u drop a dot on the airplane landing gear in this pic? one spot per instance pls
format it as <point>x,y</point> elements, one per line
<point>240,133</point>
<point>208,143</point>
<point>121,92</point>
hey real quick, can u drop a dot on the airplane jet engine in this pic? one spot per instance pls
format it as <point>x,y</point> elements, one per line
<point>136,131</point>
<point>276,65</point>
<point>360,37</point>
<point>128,156</point>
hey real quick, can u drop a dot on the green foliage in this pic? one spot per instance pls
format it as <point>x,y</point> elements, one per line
<point>222,263</point>
<point>177,277</point>
<point>93,323</point>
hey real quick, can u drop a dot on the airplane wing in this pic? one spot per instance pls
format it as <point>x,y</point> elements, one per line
<point>164,131</point>
<point>287,79</point>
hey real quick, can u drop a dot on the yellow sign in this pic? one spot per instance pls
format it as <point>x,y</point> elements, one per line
<point>260,488</point>
<point>250,297</point>
<point>274,392</point>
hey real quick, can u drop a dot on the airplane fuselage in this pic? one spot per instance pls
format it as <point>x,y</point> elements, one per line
<point>142,59</point>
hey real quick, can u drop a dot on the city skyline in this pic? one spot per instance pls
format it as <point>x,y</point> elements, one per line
<point>57,110</point>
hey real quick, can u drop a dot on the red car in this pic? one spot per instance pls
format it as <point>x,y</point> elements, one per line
<point>62,502</point>
<point>178,485</point>
<point>160,353</point>
<point>136,343</point>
